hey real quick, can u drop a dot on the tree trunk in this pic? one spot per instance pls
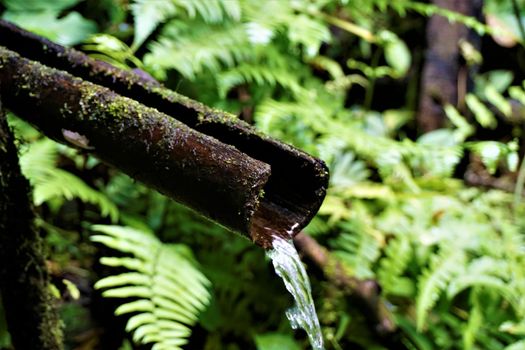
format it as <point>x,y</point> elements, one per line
<point>444,78</point>
<point>24,281</point>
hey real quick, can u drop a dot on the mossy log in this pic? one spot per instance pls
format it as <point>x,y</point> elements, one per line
<point>297,183</point>
<point>24,280</point>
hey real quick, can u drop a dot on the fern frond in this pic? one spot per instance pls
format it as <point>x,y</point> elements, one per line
<point>519,345</point>
<point>169,292</point>
<point>211,11</point>
<point>267,17</point>
<point>108,48</point>
<point>357,247</point>
<point>270,113</point>
<point>38,163</point>
<point>485,272</point>
<point>308,32</point>
<point>347,171</point>
<point>190,48</point>
<point>259,75</point>
<point>443,268</point>
<point>394,159</point>
<point>148,14</point>
<point>475,321</point>
<point>398,254</point>
<point>202,43</point>
<point>430,10</point>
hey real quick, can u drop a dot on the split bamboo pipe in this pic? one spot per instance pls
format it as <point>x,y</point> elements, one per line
<point>202,157</point>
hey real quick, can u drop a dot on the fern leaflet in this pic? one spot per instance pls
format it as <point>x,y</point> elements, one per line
<point>38,163</point>
<point>393,265</point>
<point>169,291</point>
<point>258,75</point>
<point>190,48</point>
<point>357,247</point>
<point>443,267</point>
<point>148,14</point>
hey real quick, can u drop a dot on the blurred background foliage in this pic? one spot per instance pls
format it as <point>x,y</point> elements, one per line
<point>341,80</point>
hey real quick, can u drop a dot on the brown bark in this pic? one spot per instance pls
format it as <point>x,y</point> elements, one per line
<point>477,175</point>
<point>297,183</point>
<point>365,292</point>
<point>444,78</point>
<point>24,282</point>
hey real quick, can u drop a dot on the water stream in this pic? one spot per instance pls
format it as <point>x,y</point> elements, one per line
<point>289,267</point>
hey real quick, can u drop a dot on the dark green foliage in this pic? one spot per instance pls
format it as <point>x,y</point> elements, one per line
<point>44,18</point>
<point>450,258</point>
<point>168,291</point>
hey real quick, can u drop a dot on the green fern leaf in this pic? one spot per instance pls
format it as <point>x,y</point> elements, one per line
<point>258,75</point>
<point>487,272</point>
<point>128,263</point>
<point>149,14</point>
<point>308,32</point>
<point>191,47</point>
<point>347,171</point>
<point>357,247</point>
<point>108,48</point>
<point>519,345</point>
<point>393,265</point>
<point>396,161</point>
<point>475,321</point>
<point>211,11</point>
<point>169,292</point>
<point>38,163</point>
<point>443,268</point>
<point>265,18</point>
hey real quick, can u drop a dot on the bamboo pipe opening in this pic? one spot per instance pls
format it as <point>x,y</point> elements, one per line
<point>286,193</point>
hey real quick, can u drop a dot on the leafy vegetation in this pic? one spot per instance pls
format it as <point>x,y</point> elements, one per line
<point>169,291</point>
<point>449,257</point>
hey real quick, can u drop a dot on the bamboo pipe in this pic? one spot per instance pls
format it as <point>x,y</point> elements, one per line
<point>296,184</point>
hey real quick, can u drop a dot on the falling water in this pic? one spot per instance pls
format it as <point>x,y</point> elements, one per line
<point>289,267</point>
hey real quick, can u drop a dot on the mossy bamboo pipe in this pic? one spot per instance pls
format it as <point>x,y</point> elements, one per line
<point>297,182</point>
<point>214,178</point>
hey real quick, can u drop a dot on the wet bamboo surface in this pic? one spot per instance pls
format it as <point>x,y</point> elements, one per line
<point>202,157</point>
